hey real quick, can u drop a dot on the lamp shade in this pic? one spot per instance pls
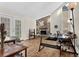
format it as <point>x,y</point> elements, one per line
<point>72,5</point>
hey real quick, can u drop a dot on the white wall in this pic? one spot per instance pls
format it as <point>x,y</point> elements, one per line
<point>60,18</point>
<point>56,20</point>
<point>26,22</point>
<point>76,14</point>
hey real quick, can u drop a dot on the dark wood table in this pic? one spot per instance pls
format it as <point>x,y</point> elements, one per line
<point>61,40</point>
<point>9,41</point>
<point>12,50</point>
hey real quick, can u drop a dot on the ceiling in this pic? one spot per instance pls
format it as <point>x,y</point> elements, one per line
<point>34,10</point>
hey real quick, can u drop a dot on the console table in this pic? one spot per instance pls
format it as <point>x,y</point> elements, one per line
<point>9,41</point>
<point>60,47</point>
<point>12,50</point>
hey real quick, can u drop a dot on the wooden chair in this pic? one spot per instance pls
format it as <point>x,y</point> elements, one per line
<point>31,33</point>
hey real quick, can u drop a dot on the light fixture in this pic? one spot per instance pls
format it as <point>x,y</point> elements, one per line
<point>72,6</point>
<point>68,21</point>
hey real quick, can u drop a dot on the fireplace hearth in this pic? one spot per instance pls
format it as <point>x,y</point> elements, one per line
<point>43,32</point>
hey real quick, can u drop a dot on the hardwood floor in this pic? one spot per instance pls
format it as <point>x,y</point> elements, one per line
<point>33,46</point>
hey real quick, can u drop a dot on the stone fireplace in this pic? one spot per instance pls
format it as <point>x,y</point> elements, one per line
<point>43,25</point>
<point>43,31</point>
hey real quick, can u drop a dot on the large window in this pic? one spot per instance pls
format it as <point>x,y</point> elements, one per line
<point>18,28</point>
<point>6,21</point>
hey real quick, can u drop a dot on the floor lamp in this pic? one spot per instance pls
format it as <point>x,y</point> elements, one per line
<point>72,6</point>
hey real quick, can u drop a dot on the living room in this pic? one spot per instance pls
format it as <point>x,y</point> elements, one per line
<point>39,29</point>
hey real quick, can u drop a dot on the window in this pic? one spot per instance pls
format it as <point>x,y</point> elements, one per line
<point>6,21</point>
<point>18,28</point>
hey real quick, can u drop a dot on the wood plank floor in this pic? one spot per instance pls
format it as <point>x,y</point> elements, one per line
<point>33,46</point>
